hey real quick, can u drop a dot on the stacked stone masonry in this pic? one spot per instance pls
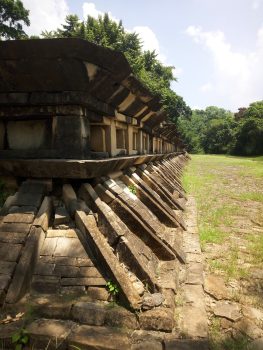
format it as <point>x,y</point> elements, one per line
<point>86,235</point>
<point>94,246</point>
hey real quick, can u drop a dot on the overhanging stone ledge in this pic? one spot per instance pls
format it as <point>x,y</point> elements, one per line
<point>72,168</point>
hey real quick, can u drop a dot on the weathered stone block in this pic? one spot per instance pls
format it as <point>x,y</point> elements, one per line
<point>10,252</point>
<point>19,227</point>
<point>45,284</point>
<point>89,313</point>
<point>194,321</point>
<point>51,334</point>
<point>215,286</point>
<point>44,269</point>
<point>186,344</point>
<point>49,246</point>
<point>4,282</point>
<point>120,317</point>
<point>19,218</point>
<point>148,345</point>
<point>13,237</point>
<point>28,198</point>
<point>7,268</point>
<point>84,281</point>
<point>97,293</point>
<point>101,338</point>
<point>160,319</point>
<point>70,247</point>
<point>66,271</point>
<point>228,310</point>
<point>89,272</point>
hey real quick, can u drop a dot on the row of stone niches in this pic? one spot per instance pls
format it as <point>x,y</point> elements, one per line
<point>75,137</point>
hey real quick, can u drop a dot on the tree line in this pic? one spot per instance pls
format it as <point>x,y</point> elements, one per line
<point>213,130</point>
<point>216,130</point>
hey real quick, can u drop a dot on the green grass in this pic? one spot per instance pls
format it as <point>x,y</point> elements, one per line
<point>252,196</point>
<point>218,185</point>
<point>256,248</point>
<point>209,234</point>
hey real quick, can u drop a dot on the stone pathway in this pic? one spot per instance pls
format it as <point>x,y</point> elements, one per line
<point>193,322</point>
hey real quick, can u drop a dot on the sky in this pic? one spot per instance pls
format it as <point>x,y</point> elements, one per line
<point>216,46</point>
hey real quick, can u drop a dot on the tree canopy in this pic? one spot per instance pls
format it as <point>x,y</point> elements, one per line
<point>12,16</point>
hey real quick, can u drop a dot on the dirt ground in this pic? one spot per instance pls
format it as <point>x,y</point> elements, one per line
<point>229,195</point>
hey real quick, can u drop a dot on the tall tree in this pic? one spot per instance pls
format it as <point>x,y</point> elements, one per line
<point>12,15</point>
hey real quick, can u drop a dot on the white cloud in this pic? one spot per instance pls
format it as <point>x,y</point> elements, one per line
<point>238,76</point>
<point>256,4</point>
<point>148,37</point>
<point>89,9</point>
<point>47,15</point>
<point>206,87</point>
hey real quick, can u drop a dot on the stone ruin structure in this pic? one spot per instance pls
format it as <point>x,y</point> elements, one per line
<point>91,240</point>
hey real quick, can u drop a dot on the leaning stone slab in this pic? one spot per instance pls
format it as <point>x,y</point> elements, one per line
<point>101,338</point>
<point>25,267</point>
<point>44,214</point>
<point>105,256</point>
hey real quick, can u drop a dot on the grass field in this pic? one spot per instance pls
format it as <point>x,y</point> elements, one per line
<point>229,195</point>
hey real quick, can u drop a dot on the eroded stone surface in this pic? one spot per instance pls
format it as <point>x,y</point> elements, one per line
<point>87,337</point>
<point>228,310</point>
<point>194,323</point>
<point>215,286</point>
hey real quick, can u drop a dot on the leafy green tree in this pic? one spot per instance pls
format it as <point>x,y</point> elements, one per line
<point>12,15</point>
<point>71,28</point>
<point>218,136</point>
<point>248,137</point>
<point>209,130</point>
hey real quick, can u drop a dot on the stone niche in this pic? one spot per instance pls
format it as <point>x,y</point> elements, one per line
<point>97,139</point>
<point>27,135</point>
<point>121,139</point>
<point>2,135</point>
